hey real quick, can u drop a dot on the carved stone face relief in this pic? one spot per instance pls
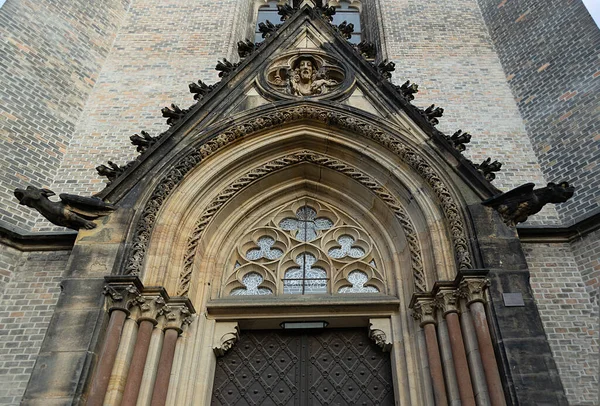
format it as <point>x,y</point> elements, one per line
<point>305,75</point>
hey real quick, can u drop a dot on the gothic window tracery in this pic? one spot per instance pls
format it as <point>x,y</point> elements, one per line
<point>305,248</point>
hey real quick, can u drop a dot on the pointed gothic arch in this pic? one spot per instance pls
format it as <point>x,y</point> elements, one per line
<point>417,170</point>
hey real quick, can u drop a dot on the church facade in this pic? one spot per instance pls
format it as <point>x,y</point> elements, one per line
<point>367,203</point>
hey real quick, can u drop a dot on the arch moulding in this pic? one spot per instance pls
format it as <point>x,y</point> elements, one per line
<point>135,259</point>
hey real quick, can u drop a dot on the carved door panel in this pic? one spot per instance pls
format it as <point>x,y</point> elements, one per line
<point>325,367</point>
<point>347,368</point>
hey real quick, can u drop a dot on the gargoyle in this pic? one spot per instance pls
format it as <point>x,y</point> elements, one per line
<point>112,171</point>
<point>72,211</point>
<point>487,168</point>
<point>245,49</point>
<point>516,205</point>
<point>346,29</point>
<point>225,67</point>
<point>459,139</point>
<point>173,113</point>
<point>432,113</point>
<point>286,11</point>
<point>327,12</point>
<point>143,142</point>
<point>386,68</point>
<point>366,49</point>
<point>267,28</point>
<point>408,90</point>
<point>201,89</point>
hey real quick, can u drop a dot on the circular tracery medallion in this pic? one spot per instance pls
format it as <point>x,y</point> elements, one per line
<point>305,74</point>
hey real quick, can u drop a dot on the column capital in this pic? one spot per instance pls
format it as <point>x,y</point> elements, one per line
<point>120,292</point>
<point>423,308</point>
<point>177,313</point>
<point>447,300</point>
<point>149,303</point>
<point>473,289</point>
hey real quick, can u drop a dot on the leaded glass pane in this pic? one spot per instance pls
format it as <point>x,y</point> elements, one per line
<point>305,279</point>
<point>358,280</point>
<point>264,251</point>
<point>346,249</point>
<point>251,280</point>
<point>305,224</point>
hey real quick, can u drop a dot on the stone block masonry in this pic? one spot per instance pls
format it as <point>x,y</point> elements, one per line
<point>445,48</point>
<point>549,50</point>
<point>570,318</point>
<point>51,53</point>
<point>26,308</point>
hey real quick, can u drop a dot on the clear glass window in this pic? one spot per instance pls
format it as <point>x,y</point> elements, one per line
<point>352,16</point>
<point>266,12</point>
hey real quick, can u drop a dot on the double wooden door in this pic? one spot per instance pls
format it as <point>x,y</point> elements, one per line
<point>322,367</point>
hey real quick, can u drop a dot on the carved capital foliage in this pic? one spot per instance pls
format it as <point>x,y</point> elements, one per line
<point>176,316</point>
<point>447,300</point>
<point>473,289</point>
<point>149,306</point>
<point>120,295</point>
<point>380,331</point>
<point>424,310</point>
<point>225,336</point>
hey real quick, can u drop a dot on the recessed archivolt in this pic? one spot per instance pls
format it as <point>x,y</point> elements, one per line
<point>277,164</point>
<point>277,117</point>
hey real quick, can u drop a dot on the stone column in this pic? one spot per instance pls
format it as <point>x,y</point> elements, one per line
<point>473,290</point>
<point>176,313</point>
<point>424,311</point>
<point>119,293</point>
<point>149,304</point>
<point>447,300</point>
<point>448,363</point>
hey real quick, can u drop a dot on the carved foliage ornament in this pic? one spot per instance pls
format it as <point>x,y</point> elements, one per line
<point>305,75</point>
<point>275,118</point>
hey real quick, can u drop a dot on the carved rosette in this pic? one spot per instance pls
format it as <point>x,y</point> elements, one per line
<point>120,295</point>
<point>473,289</point>
<point>447,301</point>
<point>424,310</point>
<point>305,74</point>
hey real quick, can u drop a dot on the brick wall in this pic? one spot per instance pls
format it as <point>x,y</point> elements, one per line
<point>549,50</point>
<point>9,259</point>
<point>587,255</point>
<point>570,318</point>
<point>26,308</point>
<point>50,56</point>
<point>444,47</point>
<point>161,47</point>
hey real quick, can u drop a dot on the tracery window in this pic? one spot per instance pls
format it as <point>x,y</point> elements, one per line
<point>305,248</point>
